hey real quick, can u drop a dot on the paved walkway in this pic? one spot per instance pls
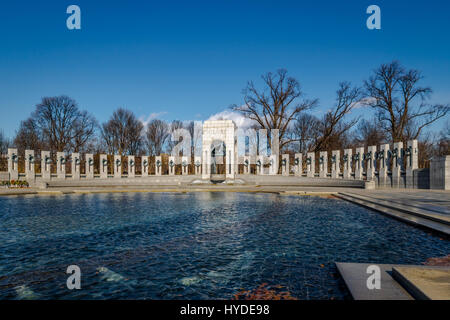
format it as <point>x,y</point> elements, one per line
<point>432,200</point>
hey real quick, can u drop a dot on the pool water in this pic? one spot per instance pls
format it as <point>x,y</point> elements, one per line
<point>194,245</point>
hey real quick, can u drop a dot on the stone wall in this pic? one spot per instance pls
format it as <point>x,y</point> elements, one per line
<point>440,173</point>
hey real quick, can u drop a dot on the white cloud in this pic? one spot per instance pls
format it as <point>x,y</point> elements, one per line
<point>154,115</point>
<point>239,119</point>
<point>363,102</point>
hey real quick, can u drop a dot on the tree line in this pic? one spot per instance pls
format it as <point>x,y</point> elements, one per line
<point>401,105</point>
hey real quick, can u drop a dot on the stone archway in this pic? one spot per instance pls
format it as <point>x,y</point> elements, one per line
<point>218,158</point>
<point>219,130</point>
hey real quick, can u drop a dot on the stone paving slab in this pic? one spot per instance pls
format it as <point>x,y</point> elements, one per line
<point>403,216</point>
<point>433,280</point>
<point>355,277</point>
<point>424,283</point>
<point>432,200</point>
<point>421,212</point>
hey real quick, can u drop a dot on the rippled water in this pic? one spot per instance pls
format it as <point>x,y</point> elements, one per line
<point>194,245</point>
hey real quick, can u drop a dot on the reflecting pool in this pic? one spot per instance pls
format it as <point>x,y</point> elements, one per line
<point>202,245</point>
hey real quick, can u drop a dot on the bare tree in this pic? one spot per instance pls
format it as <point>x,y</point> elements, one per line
<point>84,129</point>
<point>5,143</point>
<point>306,131</point>
<point>333,125</point>
<point>156,136</point>
<point>400,102</point>
<point>61,124</point>
<point>28,137</point>
<point>276,105</point>
<point>368,133</point>
<point>123,133</point>
<point>443,144</point>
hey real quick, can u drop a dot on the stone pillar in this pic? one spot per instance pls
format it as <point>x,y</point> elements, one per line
<point>298,163</point>
<point>61,165</point>
<point>89,165</point>
<point>397,165</point>
<point>185,161</point>
<point>347,159</point>
<point>103,166</point>
<point>131,167</point>
<point>440,173</point>
<point>145,166</point>
<point>172,166</point>
<point>231,155</point>
<point>285,165</point>
<point>335,164</point>
<point>260,165</point>
<point>198,165</point>
<point>117,166</point>
<point>13,160</point>
<point>46,162</point>
<point>310,164</point>
<point>75,166</point>
<point>323,164</point>
<point>29,165</point>
<point>273,162</point>
<point>206,163</point>
<point>158,165</point>
<point>412,162</point>
<point>359,152</point>
<point>247,163</point>
<point>371,162</point>
<point>383,165</point>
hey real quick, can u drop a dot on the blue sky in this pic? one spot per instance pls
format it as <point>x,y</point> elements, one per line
<point>189,60</point>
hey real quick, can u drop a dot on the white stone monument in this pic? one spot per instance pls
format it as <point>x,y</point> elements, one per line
<point>185,162</point>
<point>347,159</point>
<point>61,165</point>
<point>46,162</point>
<point>247,163</point>
<point>285,165</point>
<point>131,167</point>
<point>158,165</point>
<point>145,166</point>
<point>117,166</point>
<point>397,165</point>
<point>103,166</point>
<point>310,164</point>
<point>335,164</point>
<point>75,166</point>
<point>384,165</point>
<point>298,164</point>
<point>371,162</point>
<point>29,165</point>
<point>198,165</point>
<point>219,130</point>
<point>260,165</point>
<point>273,164</point>
<point>358,158</point>
<point>172,164</point>
<point>412,162</point>
<point>13,160</point>
<point>89,166</point>
<point>323,164</point>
